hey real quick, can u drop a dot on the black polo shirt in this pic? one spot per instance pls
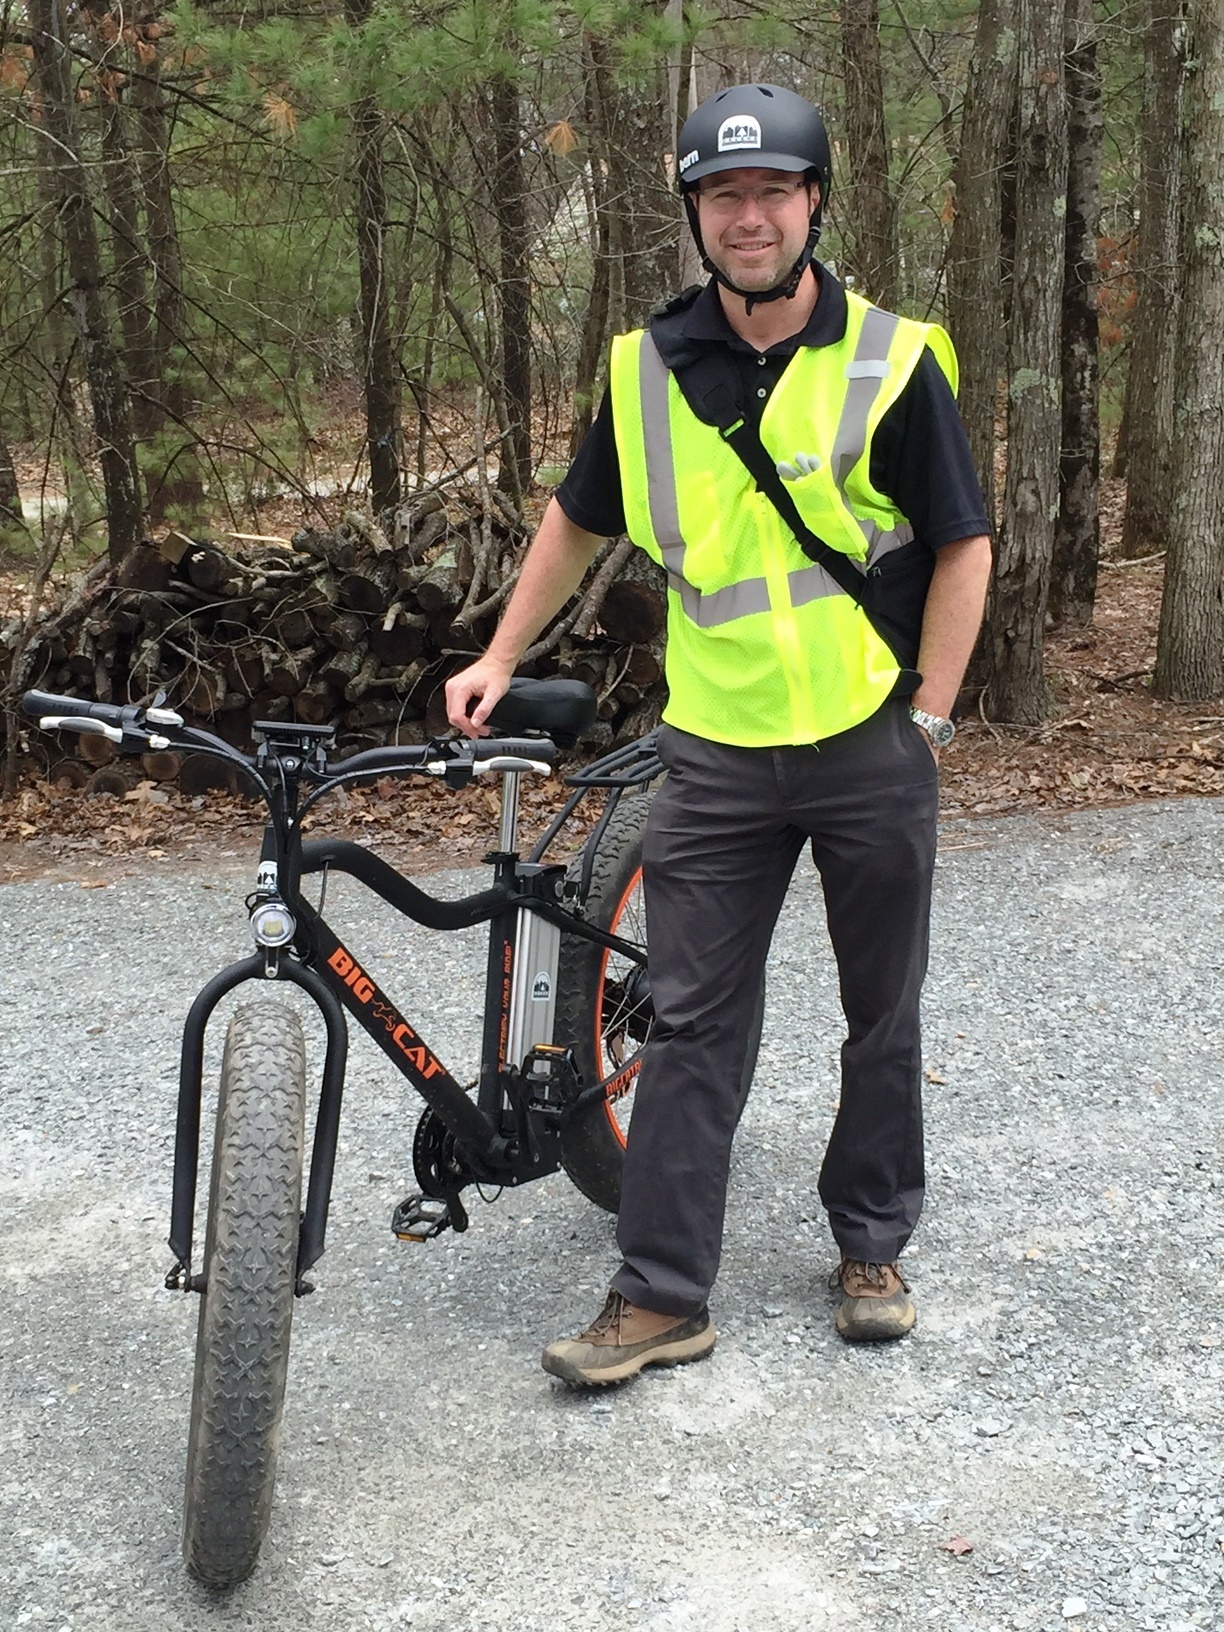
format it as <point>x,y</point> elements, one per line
<point>919,455</point>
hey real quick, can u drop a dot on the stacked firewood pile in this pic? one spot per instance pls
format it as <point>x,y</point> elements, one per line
<point>358,627</point>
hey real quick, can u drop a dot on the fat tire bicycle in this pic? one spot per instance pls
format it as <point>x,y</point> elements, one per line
<point>567,1014</point>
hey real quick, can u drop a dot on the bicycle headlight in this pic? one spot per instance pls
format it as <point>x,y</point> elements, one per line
<point>272,924</point>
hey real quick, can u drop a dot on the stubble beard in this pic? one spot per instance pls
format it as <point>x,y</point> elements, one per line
<point>758,279</point>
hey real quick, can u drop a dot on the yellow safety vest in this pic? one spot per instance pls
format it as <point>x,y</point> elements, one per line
<point>763,647</point>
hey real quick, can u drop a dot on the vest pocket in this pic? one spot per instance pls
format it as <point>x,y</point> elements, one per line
<point>822,507</point>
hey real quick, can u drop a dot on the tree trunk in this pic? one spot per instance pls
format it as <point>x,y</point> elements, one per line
<point>1016,687</point>
<point>644,210</point>
<point>379,368</point>
<point>1148,409</point>
<point>1190,647</point>
<point>107,391</point>
<point>975,302</point>
<point>10,496</point>
<point>595,321</point>
<point>1077,540</point>
<point>871,201</point>
<point>509,195</point>
<point>176,487</point>
<point>120,172</point>
<point>590,351</point>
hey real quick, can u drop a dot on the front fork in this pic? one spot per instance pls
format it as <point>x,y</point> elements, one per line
<point>187,1131</point>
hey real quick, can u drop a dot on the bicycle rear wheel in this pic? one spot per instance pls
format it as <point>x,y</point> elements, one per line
<point>604,1009</point>
<point>246,1310</point>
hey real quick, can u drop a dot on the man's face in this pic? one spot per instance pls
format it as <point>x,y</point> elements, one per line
<point>754,223</point>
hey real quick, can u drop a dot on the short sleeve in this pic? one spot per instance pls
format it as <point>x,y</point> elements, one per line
<point>920,458</point>
<point>591,493</point>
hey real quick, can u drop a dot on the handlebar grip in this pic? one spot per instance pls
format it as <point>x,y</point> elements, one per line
<point>38,703</point>
<point>541,748</point>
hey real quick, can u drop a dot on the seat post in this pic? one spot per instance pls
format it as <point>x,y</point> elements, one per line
<point>507,841</point>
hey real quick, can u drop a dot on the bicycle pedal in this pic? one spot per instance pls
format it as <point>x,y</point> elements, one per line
<point>550,1066</point>
<point>419,1218</point>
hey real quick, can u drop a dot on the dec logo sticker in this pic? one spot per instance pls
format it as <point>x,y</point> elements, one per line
<point>741,132</point>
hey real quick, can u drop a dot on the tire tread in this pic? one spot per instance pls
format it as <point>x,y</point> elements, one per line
<point>246,1313</point>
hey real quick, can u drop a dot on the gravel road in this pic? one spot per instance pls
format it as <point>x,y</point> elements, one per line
<point>1058,1407</point>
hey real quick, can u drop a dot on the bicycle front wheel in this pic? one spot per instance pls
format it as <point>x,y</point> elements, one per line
<point>246,1310</point>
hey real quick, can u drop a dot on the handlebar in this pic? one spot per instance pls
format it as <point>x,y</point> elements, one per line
<point>299,751</point>
<point>128,725</point>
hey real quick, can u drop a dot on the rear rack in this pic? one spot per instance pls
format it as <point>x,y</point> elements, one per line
<point>632,766</point>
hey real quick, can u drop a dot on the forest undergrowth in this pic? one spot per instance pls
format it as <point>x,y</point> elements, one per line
<point>1107,741</point>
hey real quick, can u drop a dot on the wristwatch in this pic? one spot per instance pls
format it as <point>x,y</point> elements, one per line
<point>939,730</point>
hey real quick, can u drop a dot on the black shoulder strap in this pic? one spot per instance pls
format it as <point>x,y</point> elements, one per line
<point>702,380</point>
<point>704,386</point>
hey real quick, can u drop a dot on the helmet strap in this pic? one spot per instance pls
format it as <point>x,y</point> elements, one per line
<point>786,290</point>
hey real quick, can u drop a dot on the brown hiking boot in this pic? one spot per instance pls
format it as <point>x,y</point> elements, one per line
<point>623,1338</point>
<point>875,1304</point>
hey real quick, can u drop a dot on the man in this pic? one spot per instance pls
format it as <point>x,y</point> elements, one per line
<point>795,714</point>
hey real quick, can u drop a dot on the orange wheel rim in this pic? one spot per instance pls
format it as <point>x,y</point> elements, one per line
<point>606,1061</point>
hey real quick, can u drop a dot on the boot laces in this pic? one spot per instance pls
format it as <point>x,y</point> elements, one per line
<point>608,1319</point>
<point>875,1275</point>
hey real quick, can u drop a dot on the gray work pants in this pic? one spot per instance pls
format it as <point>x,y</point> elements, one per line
<point>724,834</point>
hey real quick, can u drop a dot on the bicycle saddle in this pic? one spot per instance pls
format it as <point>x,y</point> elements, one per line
<point>562,709</point>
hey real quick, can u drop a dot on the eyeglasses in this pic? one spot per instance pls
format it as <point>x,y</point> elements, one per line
<point>770,197</point>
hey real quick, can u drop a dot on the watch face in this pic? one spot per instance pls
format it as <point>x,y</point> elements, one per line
<point>940,731</point>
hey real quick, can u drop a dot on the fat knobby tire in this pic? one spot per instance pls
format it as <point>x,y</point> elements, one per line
<point>250,1268</point>
<point>591,1013</point>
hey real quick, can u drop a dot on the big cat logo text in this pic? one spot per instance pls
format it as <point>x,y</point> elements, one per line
<point>741,132</point>
<point>398,1030</point>
<point>352,974</point>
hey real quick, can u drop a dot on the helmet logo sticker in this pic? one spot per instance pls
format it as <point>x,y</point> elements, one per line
<point>742,131</point>
<point>689,159</point>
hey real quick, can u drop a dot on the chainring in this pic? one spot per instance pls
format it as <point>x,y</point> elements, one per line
<point>439,1168</point>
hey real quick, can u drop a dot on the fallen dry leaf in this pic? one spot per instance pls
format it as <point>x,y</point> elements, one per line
<point>958,1546</point>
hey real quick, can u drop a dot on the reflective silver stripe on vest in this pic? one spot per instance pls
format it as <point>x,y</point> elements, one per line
<point>813,584</point>
<point>879,543</point>
<point>865,374</point>
<point>722,605</point>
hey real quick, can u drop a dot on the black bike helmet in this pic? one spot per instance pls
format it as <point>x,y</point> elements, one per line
<point>762,127</point>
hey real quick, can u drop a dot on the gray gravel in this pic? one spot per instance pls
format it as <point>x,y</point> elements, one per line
<point>1058,1406</point>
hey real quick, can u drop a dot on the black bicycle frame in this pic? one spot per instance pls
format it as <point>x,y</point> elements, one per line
<point>511,1132</point>
<point>333,976</point>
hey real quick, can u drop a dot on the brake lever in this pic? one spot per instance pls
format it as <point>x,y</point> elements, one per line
<point>481,767</point>
<point>132,737</point>
<point>510,762</point>
<point>81,723</point>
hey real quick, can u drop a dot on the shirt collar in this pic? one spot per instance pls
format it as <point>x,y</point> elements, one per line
<point>705,320</point>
